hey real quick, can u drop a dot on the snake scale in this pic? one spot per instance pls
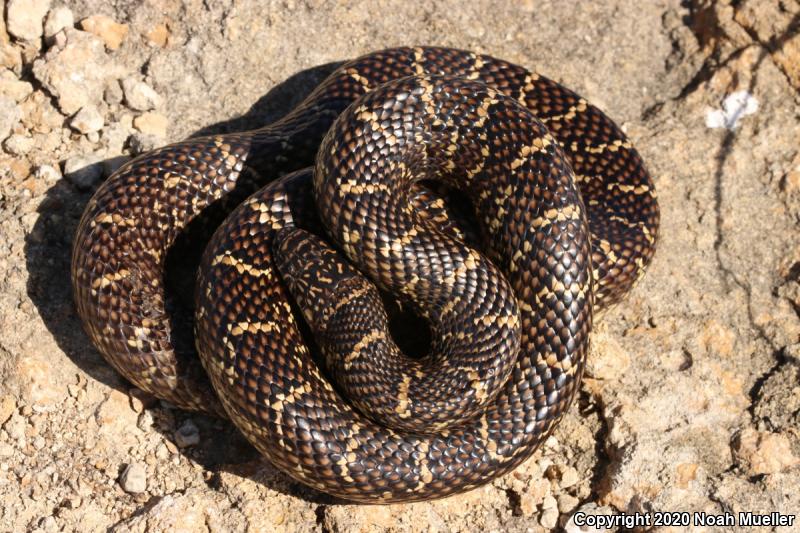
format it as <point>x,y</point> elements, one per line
<point>566,219</point>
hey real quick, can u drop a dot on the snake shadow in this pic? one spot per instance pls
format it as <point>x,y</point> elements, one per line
<point>48,254</point>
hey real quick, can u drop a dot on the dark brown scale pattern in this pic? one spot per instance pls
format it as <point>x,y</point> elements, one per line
<point>531,211</point>
<point>464,371</point>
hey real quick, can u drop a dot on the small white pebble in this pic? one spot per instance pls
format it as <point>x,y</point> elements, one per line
<point>47,173</point>
<point>140,96</point>
<point>87,120</point>
<point>59,18</point>
<point>187,435</point>
<point>134,478</point>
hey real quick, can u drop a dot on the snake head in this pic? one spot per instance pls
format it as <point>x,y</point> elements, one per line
<point>316,275</point>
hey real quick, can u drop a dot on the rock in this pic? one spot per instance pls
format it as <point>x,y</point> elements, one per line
<point>158,35</point>
<point>134,478</point>
<point>140,143</point>
<point>566,503</point>
<point>40,116</point>
<point>569,477</point>
<point>763,452</point>
<point>47,173</point>
<point>187,435</point>
<point>84,171</point>
<point>115,135</point>
<point>115,415</point>
<point>76,71</point>
<point>18,144</point>
<point>139,96</point>
<point>107,29</point>
<point>24,18</point>
<point>549,518</point>
<point>10,55</point>
<point>87,120</point>
<point>7,407</point>
<point>19,169</point>
<point>113,93</point>
<point>145,421</point>
<point>152,124</point>
<point>533,495</point>
<point>59,40</point>
<point>527,505</point>
<point>366,518</point>
<point>13,87</point>
<point>549,502</point>
<point>59,18</point>
<point>9,116</point>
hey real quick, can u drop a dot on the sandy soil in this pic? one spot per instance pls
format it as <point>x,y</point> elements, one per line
<point>692,401</point>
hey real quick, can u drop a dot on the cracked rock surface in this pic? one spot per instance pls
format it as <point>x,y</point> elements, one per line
<point>692,396</point>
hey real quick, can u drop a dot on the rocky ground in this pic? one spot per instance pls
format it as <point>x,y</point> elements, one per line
<point>692,399</point>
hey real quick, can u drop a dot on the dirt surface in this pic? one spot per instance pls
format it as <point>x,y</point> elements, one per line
<point>692,401</point>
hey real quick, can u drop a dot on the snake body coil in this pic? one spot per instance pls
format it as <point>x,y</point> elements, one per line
<point>567,219</point>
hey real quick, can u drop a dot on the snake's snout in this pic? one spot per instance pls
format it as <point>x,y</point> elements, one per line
<point>314,273</point>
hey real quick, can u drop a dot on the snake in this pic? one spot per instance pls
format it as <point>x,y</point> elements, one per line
<point>501,208</point>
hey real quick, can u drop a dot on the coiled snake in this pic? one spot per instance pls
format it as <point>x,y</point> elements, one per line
<point>567,219</point>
